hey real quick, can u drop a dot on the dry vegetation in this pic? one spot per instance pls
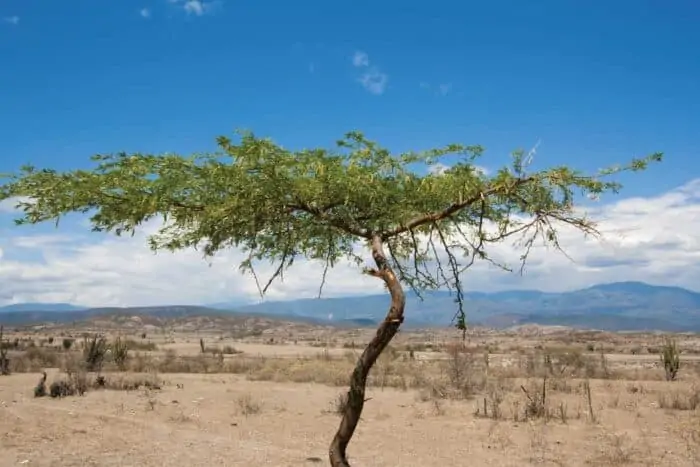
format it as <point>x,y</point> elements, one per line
<point>184,394</point>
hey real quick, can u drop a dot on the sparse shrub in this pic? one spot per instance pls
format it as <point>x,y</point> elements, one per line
<point>75,383</point>
<point>34,359</point>
<point>4,361</point>
<point>536,405</point>
<point>461,373</point>
<point>40,388</point>
<point>131,382</point>
<point>491,407</point>
<point>230,350</point>
<point>680,400</point>
<point>340,403</point>
<point>94,351</point>
<point>219,351</point>
<point>142,346</point>
<point>78,381</point>
<point>670,358</point>
<point>50,340</point>
<point>60,389</point>
<point>248,406</point>
<point>67,343</point>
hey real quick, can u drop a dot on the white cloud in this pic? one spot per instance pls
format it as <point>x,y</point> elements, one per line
<point>441,89</point>
<point>11,20</point>
<point>8,205</point>
<point>652,239</point>
<point>145,13</point>
<point>444,89</point>
<point>439,168</point>
<point>360,59</point>
<point>196,7</point>
<point>372,79</point>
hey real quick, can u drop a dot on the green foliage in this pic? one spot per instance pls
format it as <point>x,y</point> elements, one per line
<point>67,343</point>
<point>279,205</point>
<point>671,359</point>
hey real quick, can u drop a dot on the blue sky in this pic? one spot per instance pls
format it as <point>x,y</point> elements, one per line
<point>595,82</point>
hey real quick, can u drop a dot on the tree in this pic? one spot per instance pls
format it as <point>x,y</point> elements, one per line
<point>421,230</point>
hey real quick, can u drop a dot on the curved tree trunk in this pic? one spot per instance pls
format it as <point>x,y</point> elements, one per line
<point>386,331</point>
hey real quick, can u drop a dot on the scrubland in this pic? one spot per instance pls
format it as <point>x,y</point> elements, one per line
<point>272,397</point>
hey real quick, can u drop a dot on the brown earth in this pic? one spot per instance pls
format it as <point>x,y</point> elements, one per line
<point>276,404</point>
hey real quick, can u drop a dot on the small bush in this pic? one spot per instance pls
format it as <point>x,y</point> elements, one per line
<point>677,400</point>
<point>248,406</point>
<point>40,388</point>
<point>340,403</point>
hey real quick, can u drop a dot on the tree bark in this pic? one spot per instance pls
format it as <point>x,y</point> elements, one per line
<point>358,381</point>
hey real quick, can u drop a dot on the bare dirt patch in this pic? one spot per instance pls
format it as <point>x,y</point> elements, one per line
<point>432,402</point>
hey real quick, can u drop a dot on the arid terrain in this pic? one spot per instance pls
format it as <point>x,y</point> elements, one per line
<point>254,391</point>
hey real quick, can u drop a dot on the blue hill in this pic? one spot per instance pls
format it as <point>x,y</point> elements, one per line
<point>615,306</point>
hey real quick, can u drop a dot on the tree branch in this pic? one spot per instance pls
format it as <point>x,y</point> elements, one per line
<point>452,209</point>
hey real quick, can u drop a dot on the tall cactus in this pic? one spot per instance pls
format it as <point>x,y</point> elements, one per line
<point>94,351</point>
<point>670,357</point>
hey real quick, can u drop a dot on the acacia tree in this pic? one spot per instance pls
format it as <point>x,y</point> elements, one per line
<point>422,228</point>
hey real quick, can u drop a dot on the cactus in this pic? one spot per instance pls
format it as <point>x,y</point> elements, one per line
<point>201,345</point>
<point>94,351</point>
<point>670,357</point>
<point>120,353</point>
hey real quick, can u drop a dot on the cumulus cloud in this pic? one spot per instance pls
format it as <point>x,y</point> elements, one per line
<point>145,13</point>
<point>652,239</point>
<point>374,81</point>
<point>14,20</point>
<point>8,205</point>
<point>372,78</point>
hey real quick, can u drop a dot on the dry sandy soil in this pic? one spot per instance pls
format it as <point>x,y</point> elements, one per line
<point>279,409</point>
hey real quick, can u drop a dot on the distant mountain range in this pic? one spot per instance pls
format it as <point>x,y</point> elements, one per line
<point>617,306</point>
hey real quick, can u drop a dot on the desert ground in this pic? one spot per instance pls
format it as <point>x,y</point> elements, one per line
<point>260,392</point>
